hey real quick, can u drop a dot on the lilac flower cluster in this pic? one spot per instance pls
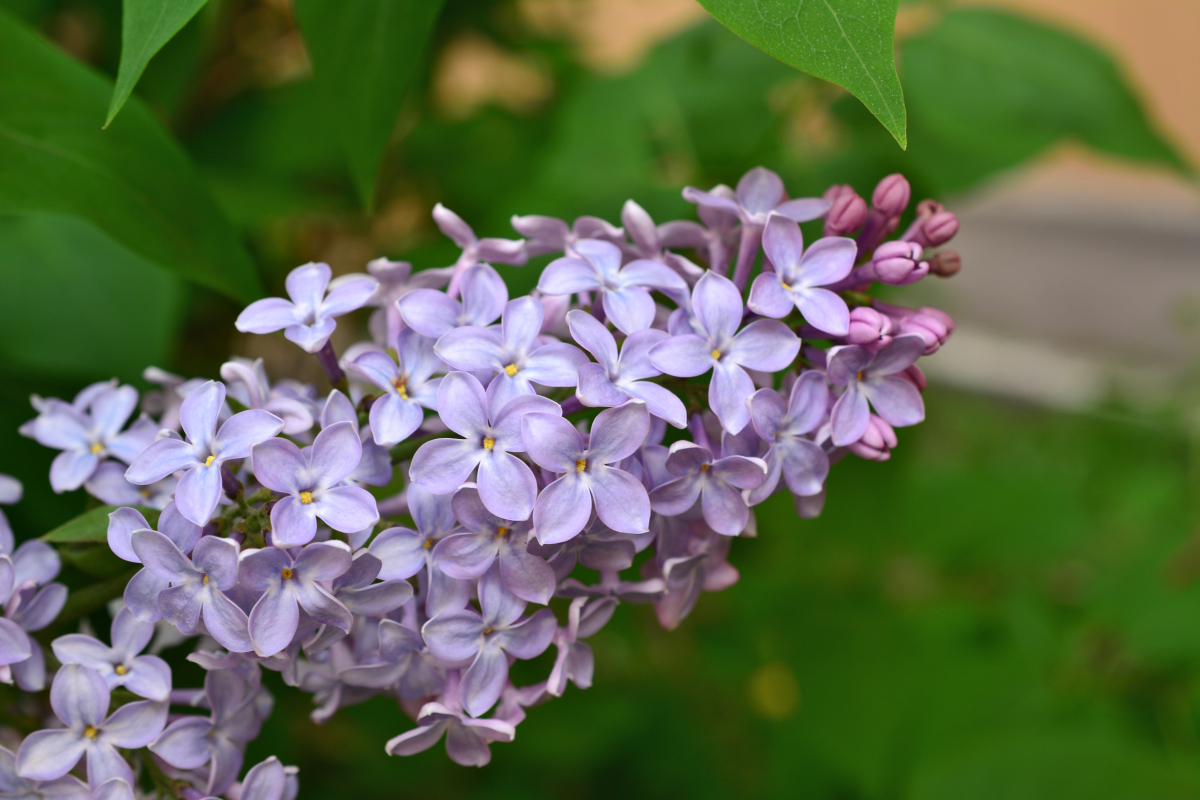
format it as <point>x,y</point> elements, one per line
<point>487,477</point>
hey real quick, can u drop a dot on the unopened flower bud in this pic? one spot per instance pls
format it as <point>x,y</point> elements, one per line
<point>892,194</point>
<point>928,327</point>
<point>868,326</point>
<point>945,263</point>
<point>877,443</point>
<point>939,228</point>
<point>898,263</point>
<point>847,213</point>
<point>914,375</point>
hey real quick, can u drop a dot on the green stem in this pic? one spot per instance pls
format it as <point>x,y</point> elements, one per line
<point>162,782</point>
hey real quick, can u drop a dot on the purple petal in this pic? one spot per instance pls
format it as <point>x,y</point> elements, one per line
<point>219,559</point>
<point>742,472</point>
<point>42,608</point>
<point>567,276</point>
<point>324,562</point>
<point>767,411</point>
<point>724,509</point>
<point>471,348</point>
<point>335,454</point>
<point>443,465</point>
<point>693,195</point>
<point>454,635</point>
<point>71,468</point>
<point>311,338</point>
<point>824,310</point>
<point>45,755</point>
<point>766,345</point>
<point>895,399</point>
<point>279,465</point>
<point>554,364</point>
<point>141,595</point>
<point>717,304</point>
<point>808,401</point>
<point>593,337</point>
<point>527,576</point>
<point>348,296</point>
<point>784,244</point>
<point>562,509</point>
<point>660,401</point>
<point>827,261</point>
<point>79,696</point>
<point>595,388</point>
<point>453,226</point>
<point>227,623</point>
<point>185,743</point>
<point>768,297</point>
<point>306,284</point>
<point>640,227</point>
<point>677,496</point>
<point>552,442</point>
<point>521,323</point>
<point>265,781</point>
<point>617,433</point>
<point>760,190</point>
<point>850,416</point>
<point>293,523</point>
<point>378,598</point>
<point>805,466</point>
<point>897,356</point>
<point>683,356</point>
<point>401,551</point>
<point>267,316</point>
<point>418,740</point>
<point>507,486</point>
<point>322,606</point>
<point>149,677</point>
<point>430,312</point>
<point>462,404</point>
<point>843,363</point>
<point>15,645</point>
<point>199,412</point>
<point>111,409</point>
<point>198,493</point>
<point>159,460</point>
<point>273,622</point>
<point>629,309</point>
<point>728,394</point>
<point>484,295</point>
<point>803,209</point>
<point>530,638</point>
<point>242,431</point>
<point>135,725</point>
<point>347,508</point>
<point>635,355</point>
<point>621,500</point>
<point>160,555</point>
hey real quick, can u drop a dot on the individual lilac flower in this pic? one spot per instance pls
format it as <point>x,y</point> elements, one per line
<point>312,480</point>
<point>467,739</point>
<point>550,235</point>
<point>485,637</point>
<point>120,665</point>
<point>405,664</point>
<point>877,442</point>
<point>407,386</point>
<point>375,467</point>
<point>269,780</point>
<point>716,238</point>
<point>198,586</point>
<point>847,212</point>
<point>564,507</point>
<point>800,273</point>
<point>14,787</point>
<point>11,491</point>
<point>87,435</point>
<point>80,699</point>
<point>308,318</point>
<point>15,646</point>
<point>615,378</point>
<point>874,377</point>
<point>513,354</point>
<point>109,486</point>
<point>801,462</point>
<point>491,431</point>
<point>718,484</point>
<point>595,266</point>
<point>143,589</point>
<point>475,250</point>
<point>290,584</point>
<point>766,345</point>
<point>35,602</point>
<point>491,539</point>
<point>247,383</point>
<point>434,314</point>
<point>205,450</point>
<point>575,661</point>
<point>396,280</point>
<point>237,712</point>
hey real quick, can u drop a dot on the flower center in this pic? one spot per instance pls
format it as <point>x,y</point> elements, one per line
<point>205,579</point>
<point>428,543</point>
<point>487,630</point>
<point>511,369</point>
<point>488,443</point>
<point>785,286</point>
<point>401,384</point>
<point>91,731</point>
<point>97,448</point>
<point>581,465</point>
<point>705,467</point>
<point>286,573</point>
<point>306,497</point>
<point>208,461</point>
<point>502,531</point>
<point>716,354</point>
<point>858,377</point>
<point>120,669</point>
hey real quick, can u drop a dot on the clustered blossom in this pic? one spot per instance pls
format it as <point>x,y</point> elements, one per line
<point>519,450</point>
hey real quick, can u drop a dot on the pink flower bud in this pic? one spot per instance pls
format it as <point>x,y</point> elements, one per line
<point>868,326</point>
<point>898,263</point>
<point>877,443</point>
<point>928,327</point>
<point>847,213</point>
<point>940,228</point>
<point>892,194</point>
<point>915,376</point>
<point>945,263</point>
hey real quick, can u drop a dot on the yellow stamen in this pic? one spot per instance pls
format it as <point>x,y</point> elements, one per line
<point>97,448</point>
<point>206,578</point>
<point>487,630</point>
<point>286,573</point>
<point>306,497</point>
<point>401,384</point>
<point>429,543</point>
<point>488,443</point>
<point>501,531</point>
<point>785,286</point>
<point>511,369</point>
<point>705,467</point>
<point>858,376</point>
<point>716,354</point>
<point>208,461</point>
<point>581,465</point>
<point>91,731</point>
<point>120,669</point>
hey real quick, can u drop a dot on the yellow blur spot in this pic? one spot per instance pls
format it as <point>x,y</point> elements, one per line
<point>501,531</point>
<point>716,354</point>
<point>511,369</point>
<point>705,467</point>
<point>773,691</point>
<point>97,448</point>
<point>286,573</point>
<point>401,384</point>
<point>206,579</point>
<point>91,731</point>
<point>208,461</point>
<point>428,543</point>
<point>858,376</point>
<point>785,286</point>
<point>120,669</point>
<point>488,443</point>
<point>581,465</point>
<point>306,497</point>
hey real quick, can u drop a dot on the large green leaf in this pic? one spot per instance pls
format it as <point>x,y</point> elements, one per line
<point>146,25</point>
<point>365,53</point>
<point>91,527</point>
<point>132,181</point>
<point>847,42</point>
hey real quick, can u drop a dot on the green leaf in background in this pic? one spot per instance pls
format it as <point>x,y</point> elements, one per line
<point>115,317</point>
<point>91,526</point>
<point>365,53</point>
<point>131,181</point>
<point>146,25</point>
<point>847,42</point>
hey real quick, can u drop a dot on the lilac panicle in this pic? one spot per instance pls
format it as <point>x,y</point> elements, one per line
<point>308,318</point>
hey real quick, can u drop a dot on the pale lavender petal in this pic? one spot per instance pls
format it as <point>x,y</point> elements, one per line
<point>527,576</point>
<point>401,551</point>
<point>280,466</point>
<point>462,404</point>
<point>804,209</point>
<point>507,486</point>
<point>454,635</point>
<point>521,323</point>
<point>306,284</point>
<point>293,523</point>
<point>135,725</point>
<point>185,743</point>
<point>484,295</point>
<point>265,781</point>
<point>346,508</point>
<point>471,348</point>
<point>260,571</point>
<point>621,500</point>
<point>683,356</point>
<point>760,190</point>
<point>897,356</point>
<point>766,345</point>
<point>443,465</point>
<point>827,261</point>
<point>593,337</point>
<point>378,598</point>
<point>14,643</point>
<point>111,409</point>
<point>562,509</point>
<point>417,740</point>
<point>335,454</point>
<point>322,606</point>
<point>430,312</point>
<point>552,442</point>
<point>40,610</point>
<point>530,638</point>
<point>567,276</point>
<point>694,195</point>
<point>199,412</point>
<point>717,304</point>
<point>267,316</point>
<point>111,789</point>
<point>45,755</point>
<point>506,422</point>
<point>635,355</point>
<point>660,401</point>
<point>850,416</point>
<point>805,467</point>
<point>595,388</point>
<point>432,513</point>
<point>768,297</point>
<point>728,394</point>
<point>160,555</point>
<point>79,696</point>
<point>824,310</point>
<point>767,411</point>
<point>554,364</point>
<point>724,509</point>
<point>149,677</point>
<point>783,244</point>
<point>808,401</point>
<point>843,363</point>
<point>348,296</point>
<point>71,468</point>
<point>324,562</point>
<point>273,622</point>
<point>242,431</point>
<point>654,275</point>
<point>453,226</point>
<point>895,399</point>
<point>677,496</point>
<point>141,595</point>
<point>742,472</point>
<point>198,493</point>
<point>629,309</point>
<point>161,459</point>
<point>311,338</point>
<point>484,680</point>
<point>618,432</point>
<point>227,623</point>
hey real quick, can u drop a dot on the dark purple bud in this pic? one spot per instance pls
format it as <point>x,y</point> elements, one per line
<point>892,194</point>
<point>877,443</point>
<point>229,484</point>
<point>945,263</point>
<point>847,213</point>
<point>898,263</point>
<point>868,326</point>
<point>939,228</point>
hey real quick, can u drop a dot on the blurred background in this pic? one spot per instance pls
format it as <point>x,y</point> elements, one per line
<point>1010,608</point>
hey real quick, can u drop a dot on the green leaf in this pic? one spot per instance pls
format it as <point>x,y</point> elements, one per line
<point>97,560</point>
<point>847,42</point>
<point>92,526</point>
<point>112,318</point>
<point>146,25</point>
<point>365,53</point>
<point>132,181</point>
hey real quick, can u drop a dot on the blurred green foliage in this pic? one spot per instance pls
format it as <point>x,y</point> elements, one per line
<point>1004,611</point>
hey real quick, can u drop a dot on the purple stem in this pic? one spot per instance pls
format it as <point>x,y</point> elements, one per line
<point>329,362</point>
<point>571,405</point>
<point>747,252</point>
